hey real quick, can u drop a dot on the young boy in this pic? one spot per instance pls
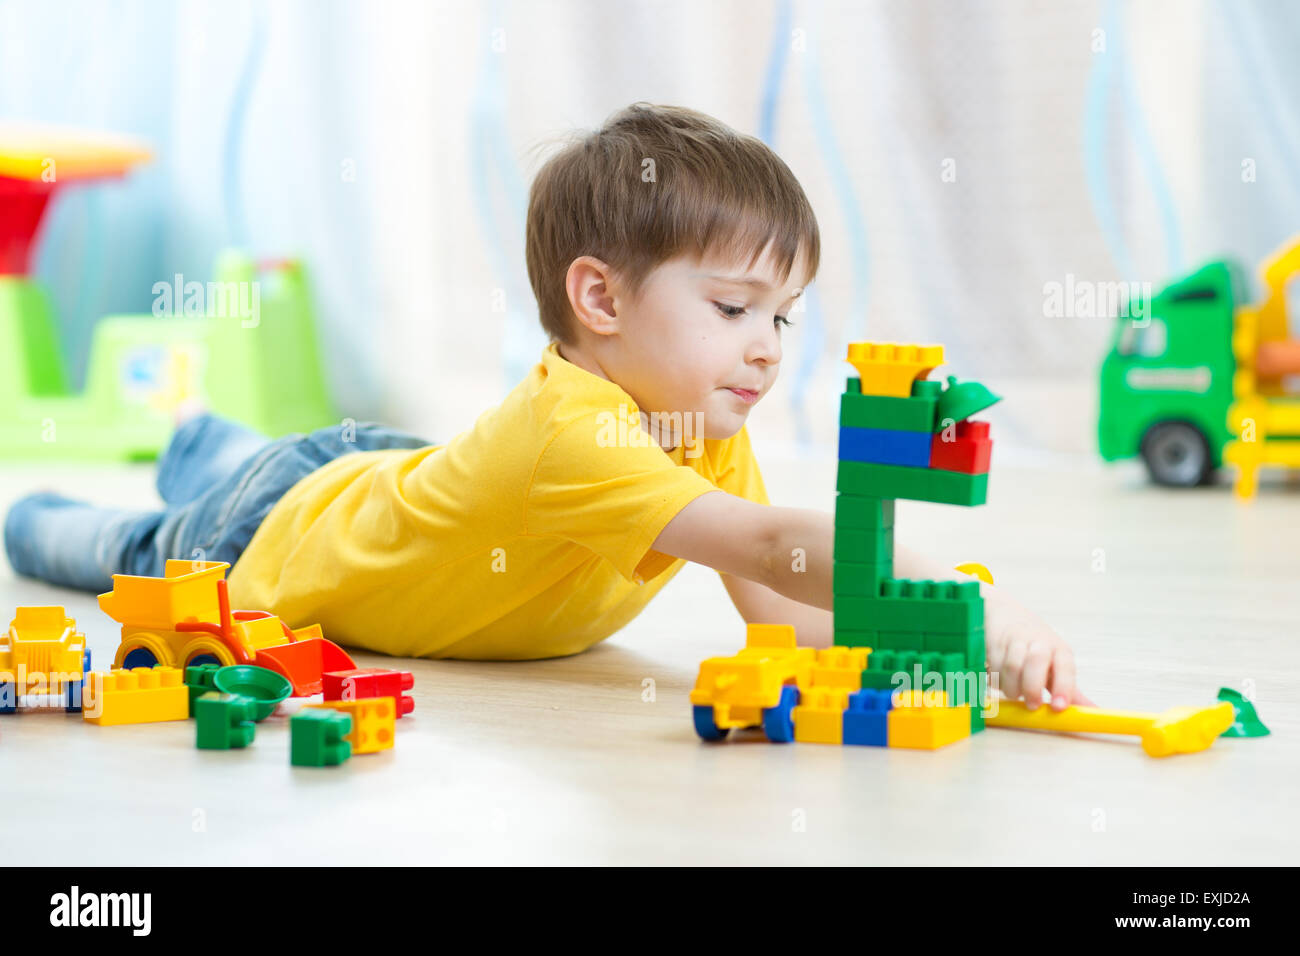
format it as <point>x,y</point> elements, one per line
<point>665,250</point>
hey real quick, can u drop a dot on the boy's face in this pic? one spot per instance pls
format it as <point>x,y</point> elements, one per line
<point>702,338</point>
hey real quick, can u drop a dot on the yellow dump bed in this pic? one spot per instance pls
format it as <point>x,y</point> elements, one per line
<point>186,592</point>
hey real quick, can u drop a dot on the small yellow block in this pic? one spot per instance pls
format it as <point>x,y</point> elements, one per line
<point>924,721</point>
<point>886,368</point>
<point>141,695</point>
<point>840,667</point>
<point>374,722</point>
<point>819,718</point>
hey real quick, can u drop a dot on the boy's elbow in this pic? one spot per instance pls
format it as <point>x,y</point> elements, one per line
<point>770,559</point>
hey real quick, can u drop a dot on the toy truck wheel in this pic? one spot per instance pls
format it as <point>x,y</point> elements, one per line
<point>778,721</point>
<point>705,725</point>
<point>1177,455</point>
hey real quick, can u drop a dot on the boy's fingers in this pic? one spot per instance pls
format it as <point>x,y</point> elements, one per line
<point>1034,679</point>
<point>1063,678</point>
<point>1012,666</point>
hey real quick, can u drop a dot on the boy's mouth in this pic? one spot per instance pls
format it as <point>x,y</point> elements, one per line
<point>746,395</point>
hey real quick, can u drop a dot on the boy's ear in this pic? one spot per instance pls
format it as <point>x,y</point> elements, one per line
<point>588,286</point>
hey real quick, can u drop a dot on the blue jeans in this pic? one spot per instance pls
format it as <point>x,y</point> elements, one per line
<point>218,480</point>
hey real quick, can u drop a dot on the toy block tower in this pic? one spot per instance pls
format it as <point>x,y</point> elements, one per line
<point>903,436</point>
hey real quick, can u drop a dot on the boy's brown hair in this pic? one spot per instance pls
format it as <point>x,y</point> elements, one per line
<point>653,183</point>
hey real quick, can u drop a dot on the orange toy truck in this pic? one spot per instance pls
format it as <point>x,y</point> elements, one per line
<point>184,618</point>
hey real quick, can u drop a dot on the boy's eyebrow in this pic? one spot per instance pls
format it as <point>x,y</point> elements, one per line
<point>749,280</point>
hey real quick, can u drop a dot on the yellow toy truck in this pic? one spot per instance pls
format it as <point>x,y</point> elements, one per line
<point>184,619</point>
<point>758,687</point>
<point>42,653</point>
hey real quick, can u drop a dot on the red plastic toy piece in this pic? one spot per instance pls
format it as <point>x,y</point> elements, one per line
<point>970,453</point>
<point>371,682</point>
<point>303,663</point>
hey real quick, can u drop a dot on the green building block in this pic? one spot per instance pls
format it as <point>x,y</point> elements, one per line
<point>223,720</point>
<point>200,679</point>
<point>864,547</point>
<point>860,580</point>
<point>887,412</point>
<point>969,644</point>
<point>913,484</point>
<point>921,615</point>
<point>863,513</point>
<point>884,665</point>
<point>316,737</point>
<point>847,638</point>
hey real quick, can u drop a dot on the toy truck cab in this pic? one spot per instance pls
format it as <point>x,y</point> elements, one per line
<point>1166,383</point>
<point>759,686</point>
<point>42,653</point>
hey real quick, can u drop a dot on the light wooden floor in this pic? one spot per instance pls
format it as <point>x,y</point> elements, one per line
<point>1166,596</point>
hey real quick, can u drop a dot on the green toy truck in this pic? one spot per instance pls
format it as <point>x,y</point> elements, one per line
<point>1166,383</point>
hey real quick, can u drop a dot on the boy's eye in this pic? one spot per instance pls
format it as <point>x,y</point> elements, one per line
<point>782,320</point>
<point>730,311</point>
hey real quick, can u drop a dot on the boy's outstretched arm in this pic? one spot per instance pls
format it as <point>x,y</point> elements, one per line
<point>788,550</point>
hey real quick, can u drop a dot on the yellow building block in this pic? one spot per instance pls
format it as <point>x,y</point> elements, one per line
<point>840,667</point>
<point>141,695</point>
<point>374,722</point>
<point>886,368</point>
<point>819,718</point>
<point>924,721</point>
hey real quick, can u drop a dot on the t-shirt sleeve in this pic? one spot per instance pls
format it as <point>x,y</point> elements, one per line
<point>612,491</point>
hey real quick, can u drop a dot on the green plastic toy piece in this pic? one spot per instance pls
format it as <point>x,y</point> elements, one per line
<point>316,737</point>
<point>915,484</point>
<point>250,354</point>
<point>199,678</point>
<point>265,688</point>
<point>1246,722</point>
<point>223,720</point>
<point>960,401</point>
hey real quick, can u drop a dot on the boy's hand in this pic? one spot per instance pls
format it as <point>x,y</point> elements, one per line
<point>1028,656</point>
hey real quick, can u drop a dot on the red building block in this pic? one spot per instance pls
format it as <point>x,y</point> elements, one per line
<point>969,453</point>
<point>366,682</point>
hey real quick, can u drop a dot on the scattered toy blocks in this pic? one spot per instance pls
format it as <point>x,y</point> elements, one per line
<point>373,722</point>
<point>317,737</point>
<point>365,682</point>
<point>840,667</point>
<point>223,721</point>
<point>42,653</point>
<point>139,696</point>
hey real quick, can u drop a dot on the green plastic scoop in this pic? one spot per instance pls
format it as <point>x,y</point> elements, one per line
<point>1246,722</point>
<point>960,401</point>
<point>264,687</point>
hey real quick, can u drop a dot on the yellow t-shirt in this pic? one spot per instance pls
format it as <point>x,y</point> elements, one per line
<point>527,536</point>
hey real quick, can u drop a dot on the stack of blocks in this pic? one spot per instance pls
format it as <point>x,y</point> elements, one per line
<point>907,665</point>
<point>895,444</point>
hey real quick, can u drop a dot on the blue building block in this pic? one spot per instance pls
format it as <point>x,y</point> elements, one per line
<point>883,447</point>
<point>866,719</point>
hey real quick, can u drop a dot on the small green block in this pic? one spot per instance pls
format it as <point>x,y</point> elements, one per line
<point>901,641</point>
<point>863,513</point>
<point>859,580</point>
<point>890,413</point>
<point>200,678</point>
<point>223,721</point>
<point>316,737</point>
<point>914,484</point>
<point>864,547</point>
